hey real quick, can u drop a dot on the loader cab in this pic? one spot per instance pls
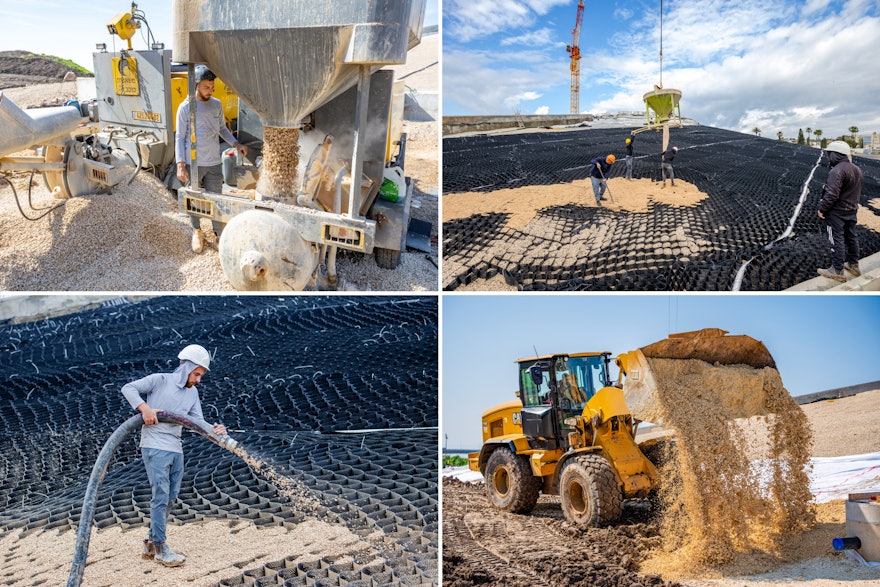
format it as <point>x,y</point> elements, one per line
<point>555,387</point>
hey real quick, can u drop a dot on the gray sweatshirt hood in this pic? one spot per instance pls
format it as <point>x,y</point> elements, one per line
<point>181,374</point>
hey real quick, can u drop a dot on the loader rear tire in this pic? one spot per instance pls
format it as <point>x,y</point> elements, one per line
<point>510,483</point>
<point>589,491</point>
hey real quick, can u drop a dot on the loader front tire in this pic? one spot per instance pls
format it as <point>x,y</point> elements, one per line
<point>510,483</point>
<point>589,491</point>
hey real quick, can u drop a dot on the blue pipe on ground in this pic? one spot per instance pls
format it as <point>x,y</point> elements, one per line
<point>84,532</point>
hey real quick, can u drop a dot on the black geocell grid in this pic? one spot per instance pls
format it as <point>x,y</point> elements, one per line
<point>753,185</point>
<point>292,372</point>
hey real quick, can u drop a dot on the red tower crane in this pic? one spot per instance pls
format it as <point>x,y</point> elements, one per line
<point>575,52</point>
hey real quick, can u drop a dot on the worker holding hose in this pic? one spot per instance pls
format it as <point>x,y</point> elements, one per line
<point>210,124</point>
<point>838,208</point>
<point>161,447</point>
<point>599,168</point>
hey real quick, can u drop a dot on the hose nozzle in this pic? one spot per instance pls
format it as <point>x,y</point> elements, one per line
<point>227,442</point>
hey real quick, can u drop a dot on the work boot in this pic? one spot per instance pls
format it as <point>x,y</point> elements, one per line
<point>852,268</point>
<point>604,199</point>
<point>166,556</point>
<point>198,241</point>
<point>832,273</point>
<point>149,549</point>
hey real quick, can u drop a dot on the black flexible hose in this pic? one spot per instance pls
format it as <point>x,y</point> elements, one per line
<point>18,204</point>
<point>84,531</point>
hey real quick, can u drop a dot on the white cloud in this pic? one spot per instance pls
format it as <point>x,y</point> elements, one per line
<point>623,13</point>
<point>536,38</point>
<point>797,74</point>
<point>502,83</point>
<point>738,65</point>
<point>466,20</point>
<point>542,110</point>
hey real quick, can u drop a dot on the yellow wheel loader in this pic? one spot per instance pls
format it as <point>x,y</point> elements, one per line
<point>571,433</point>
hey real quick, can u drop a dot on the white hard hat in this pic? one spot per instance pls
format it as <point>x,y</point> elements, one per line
<point>197,354</point>
<point>840,147</point>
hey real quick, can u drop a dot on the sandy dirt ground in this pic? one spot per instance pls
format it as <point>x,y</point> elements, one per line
<point>215,550</point>
<point>523,204</point>
<point>134,239</point>
<point>487,546</point>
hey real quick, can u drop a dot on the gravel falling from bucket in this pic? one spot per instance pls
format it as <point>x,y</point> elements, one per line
<point>280,160</point>
<point>732,488</point>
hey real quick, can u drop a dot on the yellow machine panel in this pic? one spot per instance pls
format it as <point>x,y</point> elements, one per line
<point>180,90</point>
<point>125,76</point>
<point>502,419</point>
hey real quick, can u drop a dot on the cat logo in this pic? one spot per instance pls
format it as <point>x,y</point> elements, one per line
<point>517,418</point>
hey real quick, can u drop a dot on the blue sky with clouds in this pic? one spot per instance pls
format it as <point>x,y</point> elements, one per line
<point>774,64</point>
<point>70,29</point>
<point>819,342</point>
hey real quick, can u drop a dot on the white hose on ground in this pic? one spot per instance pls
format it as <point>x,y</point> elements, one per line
<point>737,282</point>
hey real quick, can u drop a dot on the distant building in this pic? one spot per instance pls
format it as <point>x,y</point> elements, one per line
<point>871,142</point>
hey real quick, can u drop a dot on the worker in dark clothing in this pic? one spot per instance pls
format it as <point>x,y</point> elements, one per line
<point>629,155</point>
<point>599,168</point>
<point>838,207</point>
<point>666,158</point>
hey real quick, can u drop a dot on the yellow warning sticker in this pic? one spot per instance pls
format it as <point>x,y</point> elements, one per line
<point>125,77</point>
<point>148,116</point>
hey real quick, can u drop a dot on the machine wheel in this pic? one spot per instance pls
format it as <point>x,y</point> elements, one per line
<point>589,491</point>
<point>510,483</point>
<point>386,258</point>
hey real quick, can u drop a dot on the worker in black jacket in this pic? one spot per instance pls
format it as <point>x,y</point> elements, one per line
<point>629,155</point>
<point>838,208</point>
<point>666,158</point>
<point>599,168</point>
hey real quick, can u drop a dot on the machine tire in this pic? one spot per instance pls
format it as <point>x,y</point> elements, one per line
<point>589,491</point>
<point>386,258</point>
<point>510,483</point>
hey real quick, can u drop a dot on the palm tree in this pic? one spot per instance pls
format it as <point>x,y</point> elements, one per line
<point>779,135</point>
<point>757,131</point>
<point>853,130</point>
<point>809,139</point>
<point>818,133</point>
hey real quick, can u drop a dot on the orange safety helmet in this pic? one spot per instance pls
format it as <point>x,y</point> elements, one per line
<point>610,159</point>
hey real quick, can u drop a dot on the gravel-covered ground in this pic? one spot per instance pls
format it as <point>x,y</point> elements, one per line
<point>336,395</point>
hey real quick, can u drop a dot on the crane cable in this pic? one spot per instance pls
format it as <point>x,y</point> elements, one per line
<point>661,43</point>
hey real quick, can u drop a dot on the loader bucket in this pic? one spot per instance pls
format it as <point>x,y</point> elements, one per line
<point>695,362</point>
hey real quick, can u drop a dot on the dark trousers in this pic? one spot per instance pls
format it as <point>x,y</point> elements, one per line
<point>841,229</point>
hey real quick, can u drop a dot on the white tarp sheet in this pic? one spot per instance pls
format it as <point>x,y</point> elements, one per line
<point>832,477</point>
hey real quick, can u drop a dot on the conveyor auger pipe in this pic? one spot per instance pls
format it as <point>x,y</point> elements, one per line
<point>83,534</point>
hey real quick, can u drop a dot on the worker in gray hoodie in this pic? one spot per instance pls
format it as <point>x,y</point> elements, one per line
<point>210,127</point>
<point>160,442</point>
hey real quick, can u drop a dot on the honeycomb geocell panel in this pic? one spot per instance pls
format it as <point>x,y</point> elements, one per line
<point>753,186</point>
<point>336,394</point>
